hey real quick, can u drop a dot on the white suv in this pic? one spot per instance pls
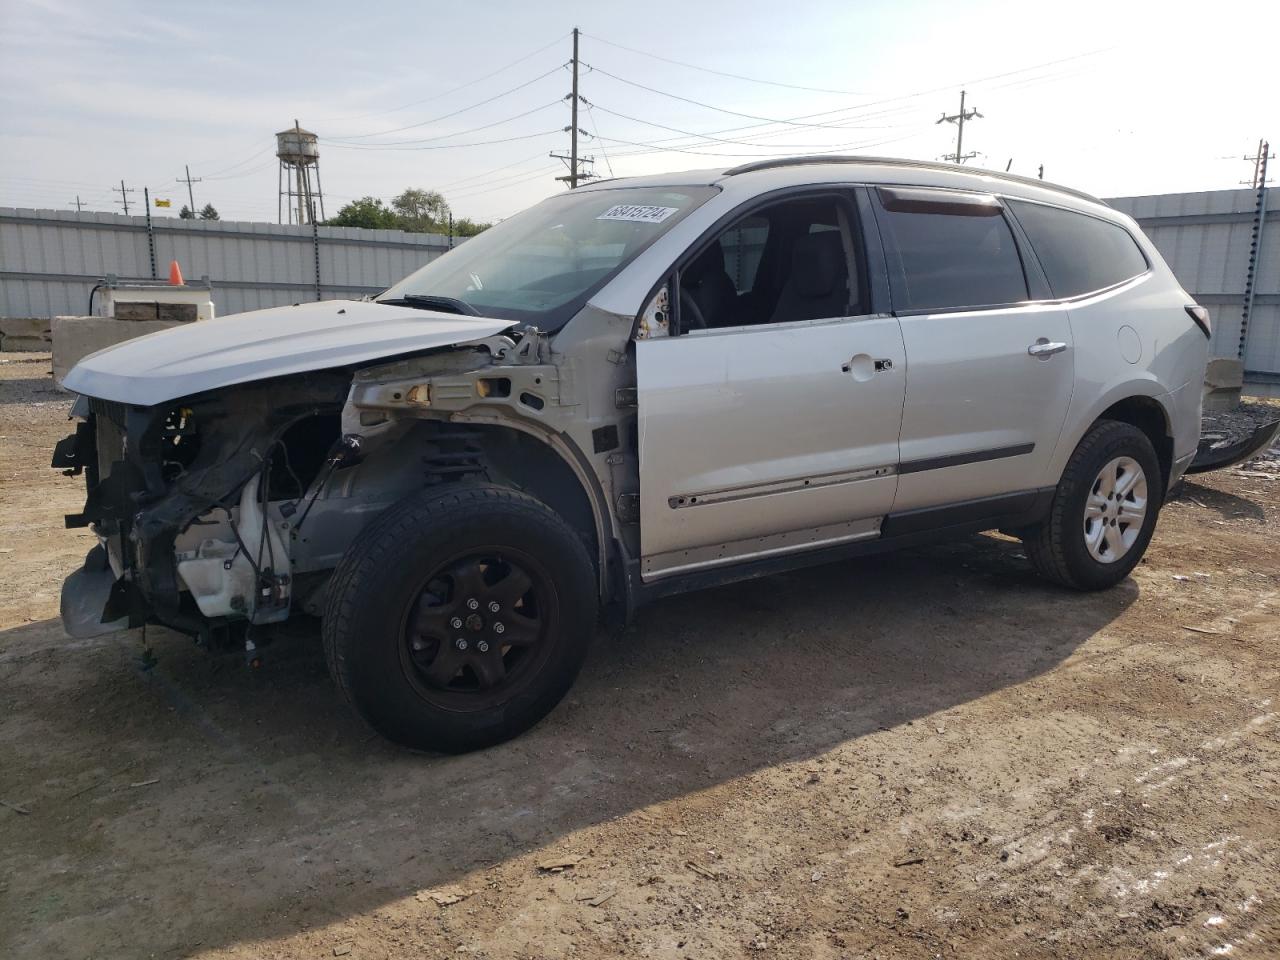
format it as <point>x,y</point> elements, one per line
<point>634,389</point>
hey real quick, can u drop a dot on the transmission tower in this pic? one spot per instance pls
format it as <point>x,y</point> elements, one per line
<point>958,119</point>
<point>575,175</point>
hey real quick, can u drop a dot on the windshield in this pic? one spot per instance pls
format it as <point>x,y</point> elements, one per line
<point>542,265</point>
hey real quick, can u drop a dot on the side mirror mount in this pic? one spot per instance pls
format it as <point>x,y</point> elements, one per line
<point>655,318</point>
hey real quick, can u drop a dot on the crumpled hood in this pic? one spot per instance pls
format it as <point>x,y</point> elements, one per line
<point>261,344</point>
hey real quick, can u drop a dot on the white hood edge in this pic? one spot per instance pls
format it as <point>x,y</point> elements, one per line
<point>243,347</point>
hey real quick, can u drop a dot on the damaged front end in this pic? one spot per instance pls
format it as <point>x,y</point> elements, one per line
<point>193,503</point>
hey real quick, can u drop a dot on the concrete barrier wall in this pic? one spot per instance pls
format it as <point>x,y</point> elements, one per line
<point>50,259</point>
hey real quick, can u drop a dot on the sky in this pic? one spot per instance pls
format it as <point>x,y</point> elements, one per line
<point>1116,98</point>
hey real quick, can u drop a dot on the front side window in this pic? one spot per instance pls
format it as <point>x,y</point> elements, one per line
<point>948,254</point>
<point>1080,254</point>
<point>541,266</point>
<point>790,261</point>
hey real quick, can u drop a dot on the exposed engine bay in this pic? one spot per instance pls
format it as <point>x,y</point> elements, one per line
<point>229,508</point>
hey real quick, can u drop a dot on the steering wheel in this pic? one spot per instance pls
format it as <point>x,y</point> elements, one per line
<point>691,317</point>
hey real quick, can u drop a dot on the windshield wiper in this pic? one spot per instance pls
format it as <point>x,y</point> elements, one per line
<point>430,301</point>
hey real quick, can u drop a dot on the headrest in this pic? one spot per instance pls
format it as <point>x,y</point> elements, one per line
<point>709,261</point>
<point>817,264</point>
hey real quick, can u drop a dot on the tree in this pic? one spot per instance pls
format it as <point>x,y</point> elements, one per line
<point>367,212</point>
<point>421,211</point>
<point>468,228</point>
<point>208,213</point>
<point>186,213</point>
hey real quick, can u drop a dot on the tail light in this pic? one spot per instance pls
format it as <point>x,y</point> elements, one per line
<point>1201,316</point>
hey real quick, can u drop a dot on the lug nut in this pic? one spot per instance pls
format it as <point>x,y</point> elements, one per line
<point>456,623</point>
<point>473,604</point>
<point>499,628</point>
<point>493,606</point>
<point>483,646</point>
<point>460,643</point>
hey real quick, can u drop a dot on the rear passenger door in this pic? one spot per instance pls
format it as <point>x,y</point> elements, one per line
<point>989,375</point>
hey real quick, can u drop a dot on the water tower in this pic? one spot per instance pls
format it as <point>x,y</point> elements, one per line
<point>299,155</point>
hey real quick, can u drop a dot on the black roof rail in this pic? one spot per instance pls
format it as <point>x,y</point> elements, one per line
<point>899,162</point>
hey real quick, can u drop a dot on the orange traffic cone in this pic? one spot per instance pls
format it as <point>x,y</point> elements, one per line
<point>175,274</point>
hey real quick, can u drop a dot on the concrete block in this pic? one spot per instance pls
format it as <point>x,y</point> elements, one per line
<point>135,310</point>
<point>1223,380</point>
<point>1224,372</point>
<point>179,312</point>
<point>37,327</point>
<point>24,344</point>
<point>74,338</point>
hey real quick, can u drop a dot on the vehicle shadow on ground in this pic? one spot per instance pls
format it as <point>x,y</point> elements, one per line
<point>1228,505</point>
<point>261,786</point>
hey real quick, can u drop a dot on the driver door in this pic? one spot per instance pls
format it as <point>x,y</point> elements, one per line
<point>773,426</point>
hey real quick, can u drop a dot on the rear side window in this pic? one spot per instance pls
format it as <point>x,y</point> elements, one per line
<point>1080,254</point>
<point>946,255</point>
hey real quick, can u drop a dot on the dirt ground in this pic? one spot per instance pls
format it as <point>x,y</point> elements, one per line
<point>924,755</point>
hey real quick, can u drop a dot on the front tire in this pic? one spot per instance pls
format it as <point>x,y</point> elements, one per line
<point>460,617</point>
<point>1103,512</point>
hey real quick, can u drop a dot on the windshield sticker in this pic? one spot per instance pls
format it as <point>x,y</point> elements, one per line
<point>637,213</point>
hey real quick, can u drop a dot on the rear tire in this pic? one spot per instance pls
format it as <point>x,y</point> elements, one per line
<point>460,617</point>
<point>1104,510</point>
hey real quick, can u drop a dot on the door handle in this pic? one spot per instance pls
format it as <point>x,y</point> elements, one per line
<point>1043,349</point>
<point>863,367</point>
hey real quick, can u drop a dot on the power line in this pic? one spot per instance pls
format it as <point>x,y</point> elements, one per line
<point>707,136</point>
<point>700,103</point>
<point>506,166</point>
<point>595,129</point>
<point>462,133</point>
<point>454,113</point>
<point>523,177</point>
<point>723,73</point>
<point>441,146</point>
<point>451,90</point>
<point>834,148</point>
<point>240,163</point>
<point>958,119</point>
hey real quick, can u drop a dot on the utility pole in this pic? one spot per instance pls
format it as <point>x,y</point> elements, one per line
<point>188,181</point>
<point>573,118</point>
<point>1042,171</point>
<point>79,206</point>
<point>574,176</point>
<point>1259,161</point>
<point>124,196</point>
<point>958,119</point>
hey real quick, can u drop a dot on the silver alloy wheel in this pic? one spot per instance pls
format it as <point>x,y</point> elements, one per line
<point>1115,510</point>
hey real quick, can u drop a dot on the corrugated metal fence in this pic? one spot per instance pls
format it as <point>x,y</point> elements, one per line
<point>1207,240</point>
<point>50,259</point>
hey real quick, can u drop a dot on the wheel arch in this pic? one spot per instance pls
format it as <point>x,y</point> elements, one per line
<point>550,468</point>
<point>1151,417</point>
<point>1143,404</point>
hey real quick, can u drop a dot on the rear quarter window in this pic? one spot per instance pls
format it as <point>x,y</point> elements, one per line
<point>1080,254</point>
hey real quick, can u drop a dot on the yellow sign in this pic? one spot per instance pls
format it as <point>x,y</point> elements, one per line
<point>161,203</point>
